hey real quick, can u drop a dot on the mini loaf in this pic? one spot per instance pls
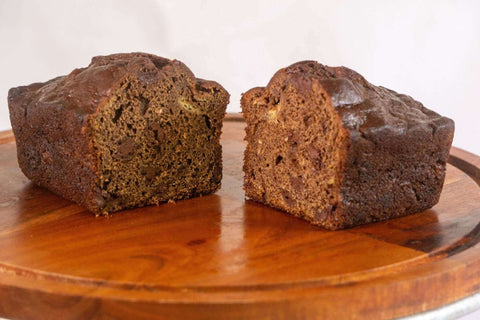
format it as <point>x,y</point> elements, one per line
<point>127,131</point>
<point>327,146</point>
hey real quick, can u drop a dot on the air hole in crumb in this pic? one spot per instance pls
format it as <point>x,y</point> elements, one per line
<point>118,113</point>
<point>278,160</point>
<point>207,121</point>
<point>144,104</point>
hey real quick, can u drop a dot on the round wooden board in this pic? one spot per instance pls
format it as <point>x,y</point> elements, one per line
<point>221,257</point>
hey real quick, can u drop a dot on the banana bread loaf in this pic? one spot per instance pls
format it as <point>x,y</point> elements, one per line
<point>327,146</point>
<point>127,131</point>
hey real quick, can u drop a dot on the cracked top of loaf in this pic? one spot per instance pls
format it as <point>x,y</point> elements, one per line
<point>84,89</point>
<point>362,105</point>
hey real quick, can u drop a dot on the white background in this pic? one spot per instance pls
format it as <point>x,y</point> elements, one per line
<point>427,49</point>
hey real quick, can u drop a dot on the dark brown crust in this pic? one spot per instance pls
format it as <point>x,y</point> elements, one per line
<point>396,151</point>
<point>51,120</point>
<point>53,147</point>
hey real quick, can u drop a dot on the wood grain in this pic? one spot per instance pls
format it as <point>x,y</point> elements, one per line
<point>221,257</point>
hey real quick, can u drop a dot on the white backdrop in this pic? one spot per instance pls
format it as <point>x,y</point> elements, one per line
<point>427,49</point>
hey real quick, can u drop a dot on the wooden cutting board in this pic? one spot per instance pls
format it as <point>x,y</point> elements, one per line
<point>221,257</point>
